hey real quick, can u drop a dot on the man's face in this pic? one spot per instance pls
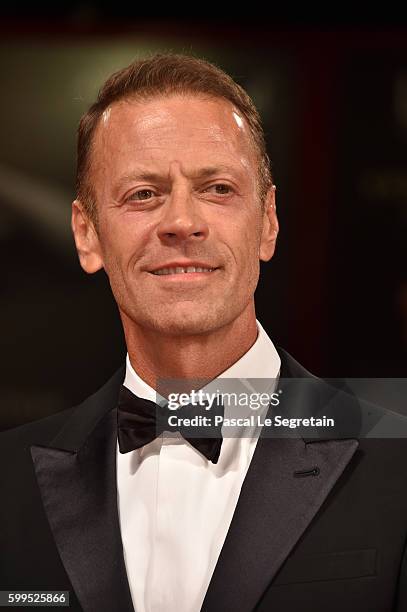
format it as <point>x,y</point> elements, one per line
<point>175,180</point>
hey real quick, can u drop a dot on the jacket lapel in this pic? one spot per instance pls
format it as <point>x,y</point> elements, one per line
<point>76,474</point>
<point>273,511</point>
<point>275,506</point>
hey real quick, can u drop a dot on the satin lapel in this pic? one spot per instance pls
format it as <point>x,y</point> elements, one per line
<point>78,489</point>
<point>273,511</point>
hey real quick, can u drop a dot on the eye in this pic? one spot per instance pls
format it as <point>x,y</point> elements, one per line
<point>142,194</point>
<point>220,189</point>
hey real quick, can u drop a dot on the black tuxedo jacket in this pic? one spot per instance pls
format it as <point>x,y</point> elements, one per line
<point>331,540</point>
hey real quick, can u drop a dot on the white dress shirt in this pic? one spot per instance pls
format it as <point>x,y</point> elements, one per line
<point>175,506</point>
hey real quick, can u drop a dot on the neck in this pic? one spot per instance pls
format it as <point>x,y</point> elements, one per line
<point>155,356</point>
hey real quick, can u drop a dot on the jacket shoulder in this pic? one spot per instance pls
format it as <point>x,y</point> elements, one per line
<point>83,416</point>
<point>354,415</point>
<point>36,432</point>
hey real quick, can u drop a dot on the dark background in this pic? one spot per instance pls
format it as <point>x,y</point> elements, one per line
<point>333,98</point>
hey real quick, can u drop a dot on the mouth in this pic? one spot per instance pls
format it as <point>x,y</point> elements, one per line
<point>182,270</point>
<point>171,274</point>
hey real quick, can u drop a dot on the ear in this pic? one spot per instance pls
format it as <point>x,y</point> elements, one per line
<point>270,226</point>
<point>86,239</point>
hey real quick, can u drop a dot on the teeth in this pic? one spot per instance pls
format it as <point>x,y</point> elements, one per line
<point>179,270</point>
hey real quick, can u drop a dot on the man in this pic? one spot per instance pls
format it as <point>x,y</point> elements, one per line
<point>176,203</point>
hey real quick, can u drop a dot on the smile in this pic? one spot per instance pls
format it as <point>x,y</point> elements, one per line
<point>179,270</point>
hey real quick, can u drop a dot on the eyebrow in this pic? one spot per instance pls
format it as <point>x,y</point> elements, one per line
<point>206,172</point>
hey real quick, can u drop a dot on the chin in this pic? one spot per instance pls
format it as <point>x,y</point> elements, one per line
<point>186,323</point>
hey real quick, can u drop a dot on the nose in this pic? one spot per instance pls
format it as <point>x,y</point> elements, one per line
<point>181,219</point>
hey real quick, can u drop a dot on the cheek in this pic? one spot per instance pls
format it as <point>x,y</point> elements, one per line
<point>251,243</point>
<point>117,236</point>
<point>250,253</point>
<point>116,251</point>
<point>124,247</point>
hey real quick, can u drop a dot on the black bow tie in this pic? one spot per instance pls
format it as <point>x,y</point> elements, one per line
<point>140,421</point>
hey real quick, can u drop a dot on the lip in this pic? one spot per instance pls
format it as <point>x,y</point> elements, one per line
<point>184,264</point>
<point>185,277</point>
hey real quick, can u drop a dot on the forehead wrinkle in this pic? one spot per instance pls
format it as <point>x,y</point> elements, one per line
<point>177,144</point>
<point>166,122</point>
<point>202,172</point>
<point>175,126</point>
<point>204,135</point>
<point>143,174</point>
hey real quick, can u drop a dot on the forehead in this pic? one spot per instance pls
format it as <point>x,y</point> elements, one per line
<point>189,128</point>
